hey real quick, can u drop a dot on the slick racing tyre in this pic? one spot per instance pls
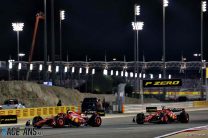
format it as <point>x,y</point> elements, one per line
<point>140,118</point>
<point>95,120</point>
<point>60,122</point>
<point>35,120</point>
<point>98,121</point>
<point>184,117</point>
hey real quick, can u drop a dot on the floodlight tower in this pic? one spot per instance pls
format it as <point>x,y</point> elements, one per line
<point>136,13</point>
<point>61,18</point>
<point>17,27</point>
<point>137,26</point>
<point>203,9</point>
<point>165,4</point>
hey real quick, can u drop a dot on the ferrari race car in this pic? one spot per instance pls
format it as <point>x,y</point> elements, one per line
<point>70,118</point>
<point>162,116</point>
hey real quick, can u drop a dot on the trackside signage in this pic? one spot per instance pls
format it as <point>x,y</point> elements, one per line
<point>162,83</point>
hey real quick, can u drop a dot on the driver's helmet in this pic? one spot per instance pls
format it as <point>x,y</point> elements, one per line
<point>69,112</point>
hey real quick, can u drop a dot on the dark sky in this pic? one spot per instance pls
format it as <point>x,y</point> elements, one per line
<point>96,27</point>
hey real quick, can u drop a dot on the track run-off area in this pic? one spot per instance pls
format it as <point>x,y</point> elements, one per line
<point>121,126</point>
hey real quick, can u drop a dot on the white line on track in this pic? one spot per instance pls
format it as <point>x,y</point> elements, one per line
<point>177,132</point>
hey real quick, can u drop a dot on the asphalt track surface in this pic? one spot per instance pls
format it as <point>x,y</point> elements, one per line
<point>123,127</point>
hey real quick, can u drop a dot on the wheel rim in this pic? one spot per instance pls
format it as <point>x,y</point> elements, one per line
<point>61,122</point>
<point>98,121</point>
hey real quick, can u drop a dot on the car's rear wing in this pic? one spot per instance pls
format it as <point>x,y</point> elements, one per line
<point>151,109</point>
<point>177,109</point>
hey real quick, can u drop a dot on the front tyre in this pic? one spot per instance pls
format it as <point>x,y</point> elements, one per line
<point>36,120</point>
<point>184,117</point>
<point>140,118</point>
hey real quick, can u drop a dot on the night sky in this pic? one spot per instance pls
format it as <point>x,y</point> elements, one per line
<point>96,27</point>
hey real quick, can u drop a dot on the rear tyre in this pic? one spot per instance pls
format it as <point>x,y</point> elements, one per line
<point>140,118</point>
<point>95,121</point>
<point>184,117</point>
<point>60,122</point>
<point>35,120</point>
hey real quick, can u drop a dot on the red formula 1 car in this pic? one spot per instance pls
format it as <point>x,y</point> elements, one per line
<point>67,119</point>
<point>162,116</point>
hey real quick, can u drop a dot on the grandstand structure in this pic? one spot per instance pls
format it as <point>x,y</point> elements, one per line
<point>77,73</point>
<point>173,65</point>
<point>177,69</point>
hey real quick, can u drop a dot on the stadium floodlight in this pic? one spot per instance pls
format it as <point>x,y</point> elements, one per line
<point>140,75</point>
<point>160,76</point>
<point>165,3</point>
<point>87,70</point>
<point>62,14</point>
<point>131,74</point>
<point>196,55</point>
<point>19,66</point>
<point>80,70</point>
<point>137,10</point>
<point>126,74</point>
<point>125,67</point>
<point>21,55</point>
<point>93,71</point>
<point>135,75</point>
<point>73,69</point>
<point>169,76</point>
<point>31,66</point>
<point>137,25</point>
<point>17,27</point>
<point>62,17</point>
<point>65,69</point>
<point>111,72</point>
<point>122,73</point>
<point>10,65</point>
<point>40,67</point>
<point>57,69</point>
<point>117,73</point>
<point>151,76</point>
<point>204,6</point>
<point>144,76</point>
<point>105,72</point>
<point>49,68</point>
